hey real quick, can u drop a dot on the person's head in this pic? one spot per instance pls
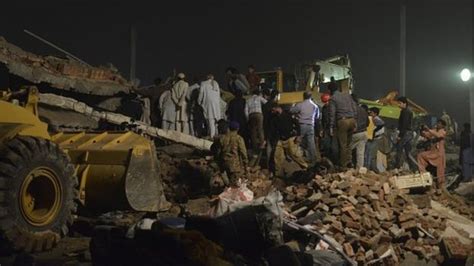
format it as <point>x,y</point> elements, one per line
<point>333,79</point>
<point>467,127</point>
<point>274,95</point>
<point>316,68</point>
<point>374,111</point>
<point>238,94</point>
<point>307,95</point>
<point>402,102</point>
<point>210,76</point>
<point>230,71</point>
<point>181,76</point>
<point>276,109</point>
<point>266,93</point>
<point>157,81</point>
<point>234,126</point>
<point>251,68</point>
<point>365,107</point>
<point>440,124</point>
<point>257,91</point>
<point>325,97</point>
<point>222,126</point>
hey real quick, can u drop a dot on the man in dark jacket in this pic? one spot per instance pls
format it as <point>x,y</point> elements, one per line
<point>283,129</point>
<point>236,112</point>
<point>343,114</point>
<point>359,138</point>
<point>268,114</point>
<point>405,135</point>
<point>329,145</point>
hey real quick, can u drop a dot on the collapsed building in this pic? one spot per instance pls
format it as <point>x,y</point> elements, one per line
<point>74,96</point>
<point>364,216</point>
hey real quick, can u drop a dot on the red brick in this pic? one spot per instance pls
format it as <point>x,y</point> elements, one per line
<point>406,216</point>
<point>408,225</point>
<point>386,188</point>
<point>348,249</point>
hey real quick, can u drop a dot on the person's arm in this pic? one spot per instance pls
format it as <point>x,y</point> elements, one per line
<point>379,124</point>
<point>355,112</point>
<point>202,92</point>
<point>184,92</point>
<point>147,91</point>
<point>246,110</point>
<point>401,124</point>
<point>245,81</point>
<point>296,109</point>
<point>318,113</point>
<point>243,152</point>
<point>161,100</point>
<point>258,78</point>
<point>274,133</point>
<point>263,100</point>
<point>190,91</point>
<point>332,114</point>
<point>437,134</point>
<point>174,96</point>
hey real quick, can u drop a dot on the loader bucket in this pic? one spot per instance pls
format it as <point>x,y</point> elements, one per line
<point>116,170</point>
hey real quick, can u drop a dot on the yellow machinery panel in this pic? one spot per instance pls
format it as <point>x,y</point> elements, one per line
<point>116,170</point>
<point>19,120</point>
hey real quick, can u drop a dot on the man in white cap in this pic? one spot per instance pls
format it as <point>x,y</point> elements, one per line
<point>178,95</point>
<point>210,100</point>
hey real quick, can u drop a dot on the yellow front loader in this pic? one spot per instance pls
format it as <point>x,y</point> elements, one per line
<point>44,177</point>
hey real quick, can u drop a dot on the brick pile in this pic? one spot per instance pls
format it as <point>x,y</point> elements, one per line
<point>365,213</point>
<point>368,216</point>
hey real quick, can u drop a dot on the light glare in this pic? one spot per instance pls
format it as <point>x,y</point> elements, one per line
<point>465,75</point>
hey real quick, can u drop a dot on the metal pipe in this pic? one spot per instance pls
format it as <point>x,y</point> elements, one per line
<point>55,47</point>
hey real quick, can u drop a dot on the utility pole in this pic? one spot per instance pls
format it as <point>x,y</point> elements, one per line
<point>403,49</point>
<point>133,53</point>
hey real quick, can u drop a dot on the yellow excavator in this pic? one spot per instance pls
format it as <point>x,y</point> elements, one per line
<point>44,177</point>
<point>314,75</point>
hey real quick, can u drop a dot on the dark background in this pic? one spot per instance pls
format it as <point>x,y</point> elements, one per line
<point>197,37</point>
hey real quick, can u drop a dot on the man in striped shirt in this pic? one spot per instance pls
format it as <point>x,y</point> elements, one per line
<point>253,112</point>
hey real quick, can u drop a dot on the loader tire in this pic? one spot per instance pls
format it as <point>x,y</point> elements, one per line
<point>38,192</point>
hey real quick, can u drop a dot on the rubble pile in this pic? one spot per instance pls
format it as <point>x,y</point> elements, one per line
<point>455,203</point>
<point>188,178</point>
<point>369,217</point>
<point>364,212</point>
<point>191,178</point>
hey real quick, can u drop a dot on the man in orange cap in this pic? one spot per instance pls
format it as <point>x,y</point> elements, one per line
<point>329,145</point>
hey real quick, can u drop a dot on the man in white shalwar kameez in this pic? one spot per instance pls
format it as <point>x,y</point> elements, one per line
<point>178,95</point>
<point>210,100</point>
<point>168,111</point>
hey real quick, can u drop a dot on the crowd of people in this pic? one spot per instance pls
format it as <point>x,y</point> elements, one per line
<point>337,127</point>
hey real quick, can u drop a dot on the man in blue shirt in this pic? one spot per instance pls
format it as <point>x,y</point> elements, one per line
<point>307,112</point>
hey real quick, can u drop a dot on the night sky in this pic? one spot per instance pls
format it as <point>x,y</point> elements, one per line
<point>197,37</point>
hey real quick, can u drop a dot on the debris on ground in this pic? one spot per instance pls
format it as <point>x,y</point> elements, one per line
<point>368,216</point>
